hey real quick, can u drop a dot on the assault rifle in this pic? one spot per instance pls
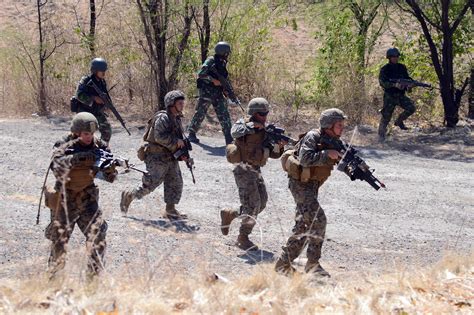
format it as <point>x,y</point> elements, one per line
<point>228,89</point>
<point>183,153</point>
<point>351,164</point>
<point>277,134</point>
<point>108,103</point>
<point>409,83</point>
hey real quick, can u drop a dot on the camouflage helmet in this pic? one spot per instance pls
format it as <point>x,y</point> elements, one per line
<point>393,52</point>
<point>258,104</point>
<point>98,64</point>
<point>330,116</point>
<point>173,96</point>
<point>84,122</point>
<point>222,49</point>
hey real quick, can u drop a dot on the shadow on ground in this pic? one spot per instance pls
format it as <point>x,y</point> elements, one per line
<point>256,256</point>
<point>180,226</point>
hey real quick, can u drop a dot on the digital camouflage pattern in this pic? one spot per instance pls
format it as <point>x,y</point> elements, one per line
<point>79,203</point>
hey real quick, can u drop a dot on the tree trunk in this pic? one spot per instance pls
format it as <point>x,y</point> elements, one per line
<point>91,38</point>
<point>205,31</point>
<point>471,95</point>
<point>43,110</point>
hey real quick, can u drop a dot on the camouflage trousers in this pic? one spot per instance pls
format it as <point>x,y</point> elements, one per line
<point>206,98</point>
<point>104,127</point>
<point>310,223</point>
<point>253,195</point>
<point>390,101</point>
<point>161,168</point>
<point>79,208</point>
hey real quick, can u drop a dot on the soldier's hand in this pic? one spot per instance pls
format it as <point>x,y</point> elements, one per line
<point>216,82</point>
<point>334,155</point>
<point>399,86</point>
<point>282,143</point>
<point>180,144</point>
<point>98,100</point>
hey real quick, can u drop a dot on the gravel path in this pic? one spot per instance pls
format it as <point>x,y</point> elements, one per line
<point>426,211</point>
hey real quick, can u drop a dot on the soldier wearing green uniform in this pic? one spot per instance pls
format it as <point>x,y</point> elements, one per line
<point>251,152</point>
<point>163,138</point>
<point>394,93</point>
<point>316,160</point>
<point>89,100</point>
<point>212,92</point>
<point>76,196</point>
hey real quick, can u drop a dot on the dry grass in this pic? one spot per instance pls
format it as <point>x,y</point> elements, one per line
<point>447,287</point>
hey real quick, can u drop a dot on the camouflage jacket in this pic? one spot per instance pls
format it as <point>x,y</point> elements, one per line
<point>392,72</point>
<point>85,94</point>
<point>309,151</point>
<point>166,130</point>
<point>205,74</point>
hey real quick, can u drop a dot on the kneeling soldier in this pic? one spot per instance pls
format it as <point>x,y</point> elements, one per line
<point>314,161</point>
<point>163,137</point>
<point>251,151</point>
<point>76,195</point>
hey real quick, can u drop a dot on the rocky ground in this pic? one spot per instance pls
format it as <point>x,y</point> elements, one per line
<point>426,210</point>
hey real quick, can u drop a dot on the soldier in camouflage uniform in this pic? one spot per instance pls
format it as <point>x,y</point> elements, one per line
<point>211,92</point>
<point>89,100</point>
<point>73,165</point>
<point>163,138</point>
<point>310,220</point>
<point>394,93</point>
<point>251,142</point>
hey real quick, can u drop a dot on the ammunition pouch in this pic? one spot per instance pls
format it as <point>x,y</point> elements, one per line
<point>141,152</point>
<point>232,153</point>
<point>52,198</point>
<point>292,166</point>
<point>74,104</point>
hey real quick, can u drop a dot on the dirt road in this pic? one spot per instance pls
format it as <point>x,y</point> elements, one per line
<point>427,209</point>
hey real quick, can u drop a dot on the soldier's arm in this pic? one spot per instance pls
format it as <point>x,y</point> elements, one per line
<point>163,132</point>
<point>384,79</point>
<point>240,129</point>
<point>277,152</point>
<point>82,94</point>
<point>309,153</point>
<point>204,72</point>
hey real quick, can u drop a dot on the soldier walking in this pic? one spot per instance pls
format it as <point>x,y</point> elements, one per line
<point>251,152</point>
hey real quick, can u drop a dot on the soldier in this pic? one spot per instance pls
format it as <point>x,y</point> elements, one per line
<point>317,160</point>
<point>89,100</point>
<point>212,92</point>
<point>394,93</point>
<point>252,150</point>
<point>76,194</point>
<point>164,137</point>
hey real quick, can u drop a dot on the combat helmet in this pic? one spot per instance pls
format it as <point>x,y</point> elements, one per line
<point>258,104</point>
<point>330,116</point>
<point>173,96</point>
<point>84,122</point>
<point>393,52</point>
<point>98,64</point>
<point>222,49</point>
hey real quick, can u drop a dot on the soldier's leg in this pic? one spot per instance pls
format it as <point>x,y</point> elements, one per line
<point>94,228</point>
<point>389,103</point>
<point>408,109</point>
<point>262,192</point>
<point>157,168</point>
<point>59,232</point>
<point>202,106</point>
<point>317,231</point>
<point>173,189</point>
<point>104,127</point>
<point>222,112</point>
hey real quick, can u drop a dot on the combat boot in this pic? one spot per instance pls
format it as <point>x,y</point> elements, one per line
<point>244,243</point>
<point>400,124</point>
<point>228,138</point>
<point>316,269</point>
<point>227,216</point>
<point>192,137</point>
<point>127,198</point>
<point>173,214</point>
<point>284,267</point>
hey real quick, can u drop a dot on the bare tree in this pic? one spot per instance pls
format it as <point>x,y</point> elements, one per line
<point>435,22</point>
<point>204,29</point>
<point>92,27</point>
<point>163,36</point>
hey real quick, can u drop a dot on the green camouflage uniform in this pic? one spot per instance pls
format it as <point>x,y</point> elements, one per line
<point>394,96</point>
<point>160,163</point>
<point>211,94</point>
<point>85,94</point>
<point>79,203</point>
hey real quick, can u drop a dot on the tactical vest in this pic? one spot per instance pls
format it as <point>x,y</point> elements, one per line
<point>251,148</point>
<point>79,178</point>
<point>149,136</point>
<point>295,170</point>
